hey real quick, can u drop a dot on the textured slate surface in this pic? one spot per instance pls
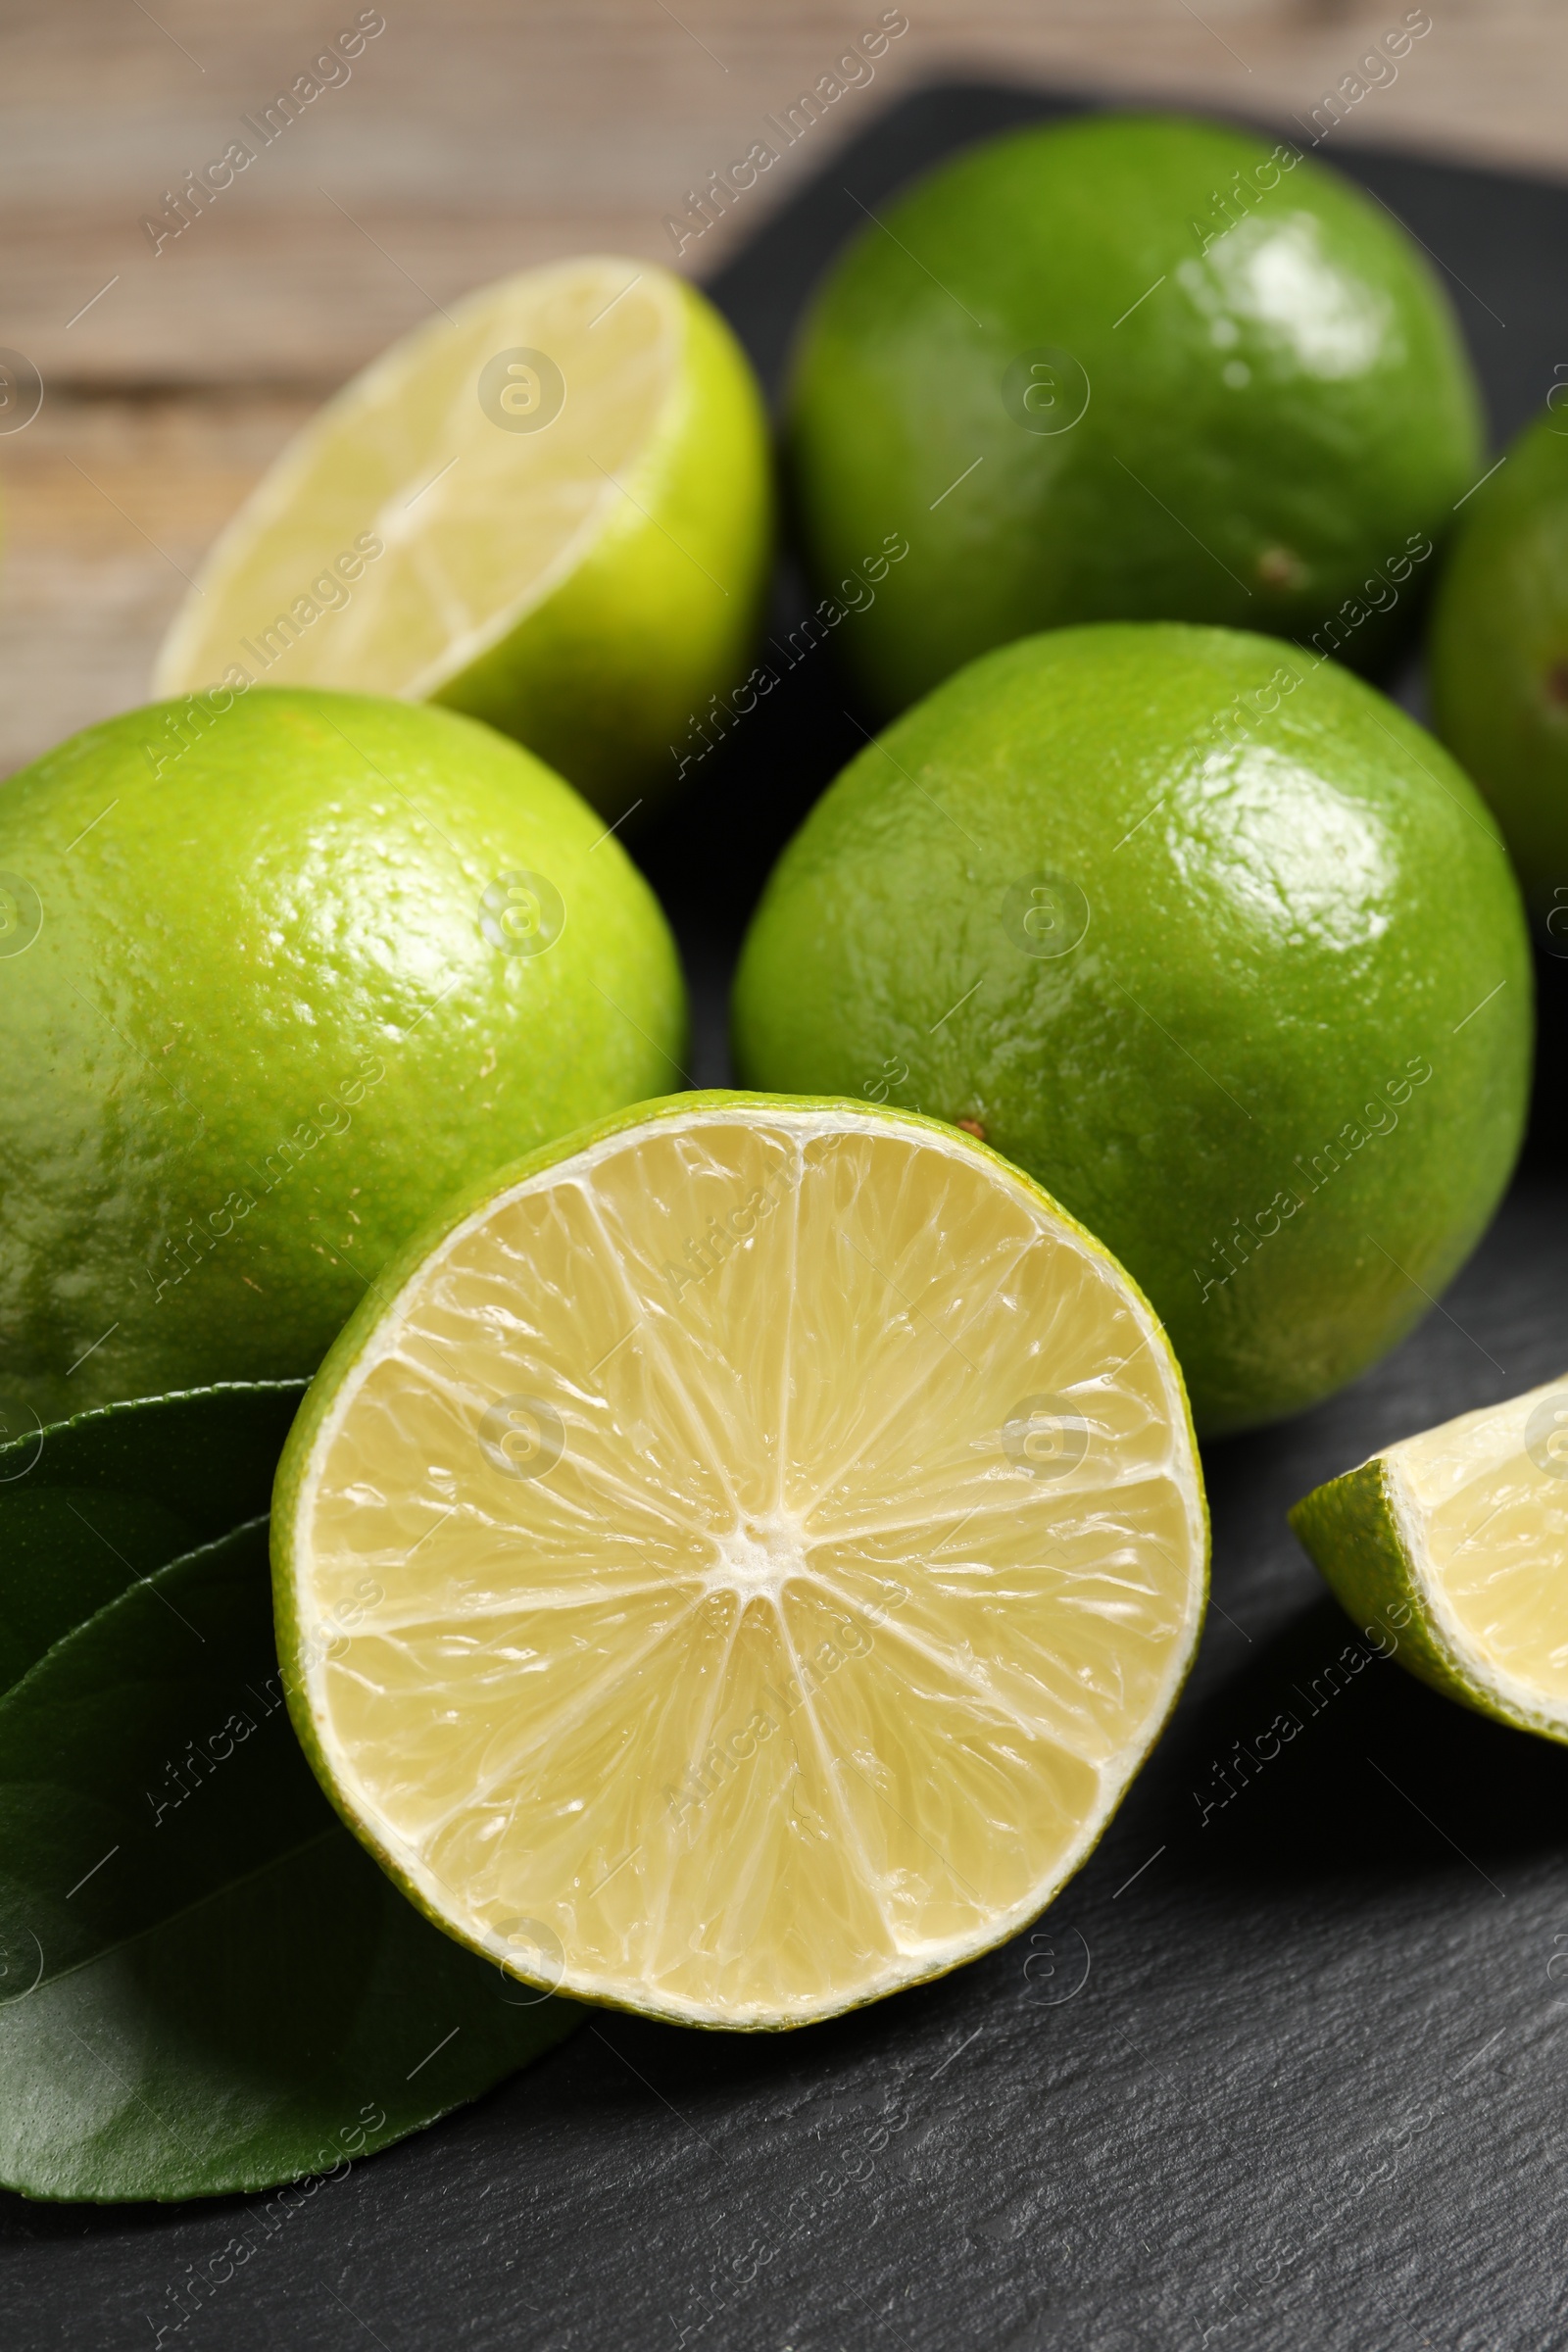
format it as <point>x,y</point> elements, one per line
<point>1282,2067</point>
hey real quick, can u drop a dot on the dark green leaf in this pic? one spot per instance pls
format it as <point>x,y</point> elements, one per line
<point>208,1985</point>
<point>88,1505</point>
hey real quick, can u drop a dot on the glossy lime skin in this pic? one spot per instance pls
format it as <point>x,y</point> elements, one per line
<point>1498,660</point>
<point>1267,904</point>
<point>1276,411</point>
<point>263,1029</point>
<point>610,677</point>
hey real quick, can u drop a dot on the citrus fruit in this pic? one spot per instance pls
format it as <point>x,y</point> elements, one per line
<point>1127,367</point>
<point>549,509</point>
<point>1452,1543</point>
<point>266,999</point>
<point>1215,942</point>
<point>736,1568</point>
<point>1497,659</point>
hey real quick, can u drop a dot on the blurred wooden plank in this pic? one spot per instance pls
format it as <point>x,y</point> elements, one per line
<point>469,138</point>
<point>478,137</point>
<point>110,504</point>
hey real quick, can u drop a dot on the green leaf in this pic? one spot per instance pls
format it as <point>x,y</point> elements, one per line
<point>208,1985</point>
<point>89,1505</point>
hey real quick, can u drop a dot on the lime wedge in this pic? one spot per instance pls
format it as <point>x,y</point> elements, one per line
<point>734,1569</point>
<point>549,509</point>
<point>1455,1544</point>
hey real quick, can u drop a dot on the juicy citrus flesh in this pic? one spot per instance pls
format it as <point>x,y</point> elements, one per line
<point>741,1572</point>
<point>408,455</point>
<point>1483,1503</point>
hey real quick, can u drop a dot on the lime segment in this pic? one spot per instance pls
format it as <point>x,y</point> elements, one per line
<point>1457,1539</point>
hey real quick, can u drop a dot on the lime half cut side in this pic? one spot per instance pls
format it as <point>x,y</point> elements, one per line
<point>549,508</point>
<point>739,1567</point>
<point>1456,1540</point>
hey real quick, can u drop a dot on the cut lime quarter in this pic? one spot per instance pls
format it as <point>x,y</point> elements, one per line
<point>549,508</point>
<point>737,1566</point>
<point>1456,1541</point>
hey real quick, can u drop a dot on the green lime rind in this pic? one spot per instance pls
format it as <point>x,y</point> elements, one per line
<point>1497,659</point>
<point>1356,1535</point>
<point>384,1301</point>
<point>1249,405</point>
<point>266,1004</point>
<point>1266,1064</point>
<point>607,677</point>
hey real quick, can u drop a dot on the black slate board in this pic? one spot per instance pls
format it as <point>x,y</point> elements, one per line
<point>1286,2073</point>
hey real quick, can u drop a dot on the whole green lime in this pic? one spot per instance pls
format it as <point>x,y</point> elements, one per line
<point>1497,659</point>
<point>1211,939</point>
<point>266,1001</point>
<point>1132,368</point>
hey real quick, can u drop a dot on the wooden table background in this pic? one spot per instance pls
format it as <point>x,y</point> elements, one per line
<point>474,138</point>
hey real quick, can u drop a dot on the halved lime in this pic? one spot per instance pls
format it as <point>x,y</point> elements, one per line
<point>738,1564</point>
<point>549,509</point>
<point>1454,1543</point>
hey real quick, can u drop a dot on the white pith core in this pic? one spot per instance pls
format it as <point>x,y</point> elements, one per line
<point>756,1559</point>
